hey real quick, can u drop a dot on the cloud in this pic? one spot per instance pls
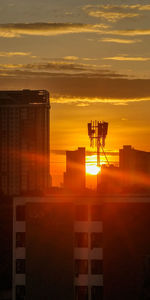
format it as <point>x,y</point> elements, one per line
<point>114,13</point>
<point>141,7</point>
<point>119,41</point>
<point>74,58</point>
<point>17,30</point>
<point>111,13</point>
<point>88,101</point>
<point>89,59</point>
<point>112,16</point>
<point>135,32</point>
<point>126,58</point>
<point>80,89</point>
<point>11,54</point>
<point>71,57</point>
<point>54,68</point>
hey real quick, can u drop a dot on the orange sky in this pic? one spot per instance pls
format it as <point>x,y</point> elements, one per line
<point>93,58</point>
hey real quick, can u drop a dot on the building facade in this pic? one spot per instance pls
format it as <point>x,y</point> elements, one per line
<point>24,141</point>
<point>81,247</point>
<point>57,249</point>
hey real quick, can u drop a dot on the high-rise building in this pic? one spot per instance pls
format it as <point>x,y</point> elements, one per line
<point>24,141</point>
<point>74,177</point>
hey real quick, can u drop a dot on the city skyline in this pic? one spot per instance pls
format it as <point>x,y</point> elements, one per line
<point>94,60</point>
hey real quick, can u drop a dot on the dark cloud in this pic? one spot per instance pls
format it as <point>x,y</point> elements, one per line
<point>12,30</point>
<point>81,89</point>
<point>54,68</point>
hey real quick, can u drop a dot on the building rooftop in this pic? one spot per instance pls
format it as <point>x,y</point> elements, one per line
<point>23,97</point>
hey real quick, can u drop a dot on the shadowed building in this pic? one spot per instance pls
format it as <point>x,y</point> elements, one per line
<point>74,177</point>
<point>24,141</point>
<point>126,247</point>
<point>63,245</point>
<point>134,169</point>
<point>57,248</point>
<point>6,223</point>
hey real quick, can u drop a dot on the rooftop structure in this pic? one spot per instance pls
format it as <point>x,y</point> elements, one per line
<point>24,97</point>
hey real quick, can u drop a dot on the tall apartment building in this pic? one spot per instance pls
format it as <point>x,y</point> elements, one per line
<point>24,141</point>
<point>57,248</point>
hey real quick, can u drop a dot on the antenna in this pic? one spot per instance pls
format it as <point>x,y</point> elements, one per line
<point>97,132</point>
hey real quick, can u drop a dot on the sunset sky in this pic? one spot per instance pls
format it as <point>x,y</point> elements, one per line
<point>94,59</point>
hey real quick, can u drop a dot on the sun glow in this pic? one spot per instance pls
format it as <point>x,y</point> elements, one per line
<point>91,165</point>
<point>92,169</point>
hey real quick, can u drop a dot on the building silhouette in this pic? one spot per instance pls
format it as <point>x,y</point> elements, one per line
<point>6,241</point>
<point>74,177</point>
<point>134,168</point>
<point>132,175</point>
<point>24,141</point>
<point>126,247</point>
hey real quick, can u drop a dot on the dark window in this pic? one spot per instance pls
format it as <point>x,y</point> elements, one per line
<point>96,266</point>
<point>81,266</point>
<point>81,293</point>
<point>20,239</point>
<point>81,213</point>
<point>96,240</point>
<point>97,293</point>
<point>20,266</point>
<point>81,239</point>
<point>96,213</point>
<point>20,292</point>
<point>20,213</point>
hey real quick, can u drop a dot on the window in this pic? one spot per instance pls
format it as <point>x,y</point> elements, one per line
<point>81,293</point>
<point>96,240</point>
<point>81,213</point>
<point>96,213</point>
<point>20,266</point>
<point>20,239</point>
<point>81,239</point>
<point>96,266</point>
<point>20,292</point>
<point>97,293</point>
<point>20,213</point>
<point>81,266</point>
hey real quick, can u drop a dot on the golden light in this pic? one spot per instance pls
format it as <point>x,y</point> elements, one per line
<point>92,169</point>
<point>91,165</point>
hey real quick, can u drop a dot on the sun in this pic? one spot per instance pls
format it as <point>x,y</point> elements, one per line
<point>92,169</point>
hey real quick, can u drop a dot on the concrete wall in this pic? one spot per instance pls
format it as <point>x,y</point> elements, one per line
<point>49,254</point>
